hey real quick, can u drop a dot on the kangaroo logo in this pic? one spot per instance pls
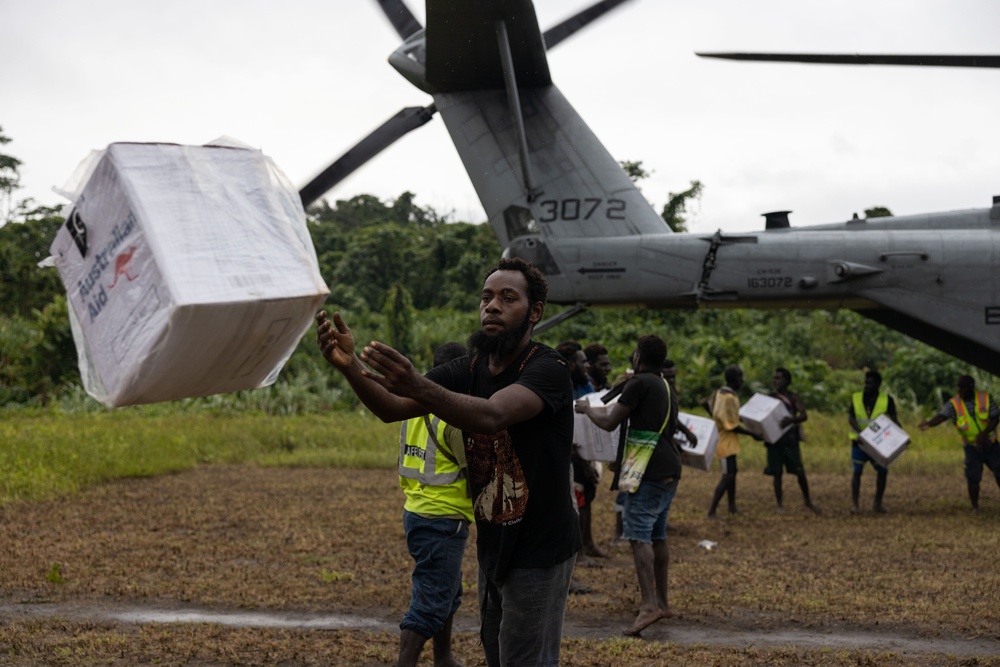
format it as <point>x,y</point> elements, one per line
<point>122,264</point>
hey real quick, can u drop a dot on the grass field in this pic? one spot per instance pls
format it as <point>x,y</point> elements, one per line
<point>46,454</point>
<point>302,516</point>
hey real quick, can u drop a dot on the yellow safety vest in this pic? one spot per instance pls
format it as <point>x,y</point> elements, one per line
<point>430,475</point>
<point>964,421</point>
<point>861,415</point>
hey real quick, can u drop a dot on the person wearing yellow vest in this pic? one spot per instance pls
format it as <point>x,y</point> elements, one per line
<point>975,414</point>
<point>865,406</point>
<point>436,518</point>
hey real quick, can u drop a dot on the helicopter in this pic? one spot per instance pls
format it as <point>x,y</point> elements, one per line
<point>556,197</point>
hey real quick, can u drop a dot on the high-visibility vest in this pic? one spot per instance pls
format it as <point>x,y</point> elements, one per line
<point>861,414</point>
<point>964,422</point>
<point>431,477</point>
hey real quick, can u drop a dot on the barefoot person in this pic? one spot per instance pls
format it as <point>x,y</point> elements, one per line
<point>648,405</point>
<point>513,400</point>
<point>786,452</point>
<point>725,409</point>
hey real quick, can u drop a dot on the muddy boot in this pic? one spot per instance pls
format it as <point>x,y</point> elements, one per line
<point>443,656</point>
<point>410,646</point>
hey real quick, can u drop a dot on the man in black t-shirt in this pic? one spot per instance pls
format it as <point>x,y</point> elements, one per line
<point>513,401</point>
<point>647,404</point>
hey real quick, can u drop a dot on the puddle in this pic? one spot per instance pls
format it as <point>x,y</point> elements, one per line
<point>249,619</point>
<point>674,632</point>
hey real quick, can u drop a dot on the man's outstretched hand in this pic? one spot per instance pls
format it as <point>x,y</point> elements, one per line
<point>335,340</point>
<point>391,369</point>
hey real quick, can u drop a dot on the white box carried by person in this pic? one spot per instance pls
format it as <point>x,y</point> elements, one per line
<point>595,443</point>
<point>762,414</point>
<point>883,440</point>
<point>697,456</point>
<point>189,271</point>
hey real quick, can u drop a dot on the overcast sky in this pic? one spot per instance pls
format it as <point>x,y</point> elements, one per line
<point>304,80</point>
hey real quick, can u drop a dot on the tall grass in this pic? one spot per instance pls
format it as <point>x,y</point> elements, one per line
<point>45,454</point>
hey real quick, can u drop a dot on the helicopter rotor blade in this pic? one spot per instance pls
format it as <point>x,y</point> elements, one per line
<point>411,118</point>
<point>408,119</point>
<point>400,16</point>
<point>919,60</point>
<point>558,33</point>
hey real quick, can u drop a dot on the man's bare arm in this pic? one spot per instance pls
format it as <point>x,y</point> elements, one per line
<point>933,421</point>
<point>608,420</point>
<point>336,342</point>
<point>691,437</point>
<point>803,415</point>
<point>395,374</point>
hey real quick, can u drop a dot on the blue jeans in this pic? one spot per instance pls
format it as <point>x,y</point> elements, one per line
<point>522,618</point>
<point>437,546</point>
<point>645,515</point>
<point>859,458</point>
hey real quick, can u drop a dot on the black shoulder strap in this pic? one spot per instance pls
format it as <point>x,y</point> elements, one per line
<point>788,402</point>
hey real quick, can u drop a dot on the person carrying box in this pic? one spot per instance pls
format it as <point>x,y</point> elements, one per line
<point>785,452</point>
<point>865,406</point>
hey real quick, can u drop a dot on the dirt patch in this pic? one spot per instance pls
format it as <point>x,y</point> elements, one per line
<point>298,550</point>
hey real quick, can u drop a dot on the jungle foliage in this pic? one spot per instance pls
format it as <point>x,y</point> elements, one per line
<point>409,276</point>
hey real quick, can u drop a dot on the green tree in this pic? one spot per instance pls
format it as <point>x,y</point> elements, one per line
<point>634,170</point>
<point>878,212</point>
<point>24,286</point>
<point>676,206</point>
<point>10,180</point>
<point>399,318</point>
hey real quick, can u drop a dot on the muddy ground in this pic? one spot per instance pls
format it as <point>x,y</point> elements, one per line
<point>248,565</point>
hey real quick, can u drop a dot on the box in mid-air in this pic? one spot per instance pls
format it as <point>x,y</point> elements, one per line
<point>189,271</point>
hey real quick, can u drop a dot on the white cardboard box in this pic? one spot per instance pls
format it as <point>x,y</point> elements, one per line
<point>698,456</point>
<point>762,414</point>
<point>595,443</point>
<point>883,440</point>
<point>189,271</point>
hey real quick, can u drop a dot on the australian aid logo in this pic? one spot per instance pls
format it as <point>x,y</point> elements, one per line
<point>111,265</point>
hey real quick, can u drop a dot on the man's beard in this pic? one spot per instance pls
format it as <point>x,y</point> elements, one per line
<point>579,377</point>
<point>502,344</point>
